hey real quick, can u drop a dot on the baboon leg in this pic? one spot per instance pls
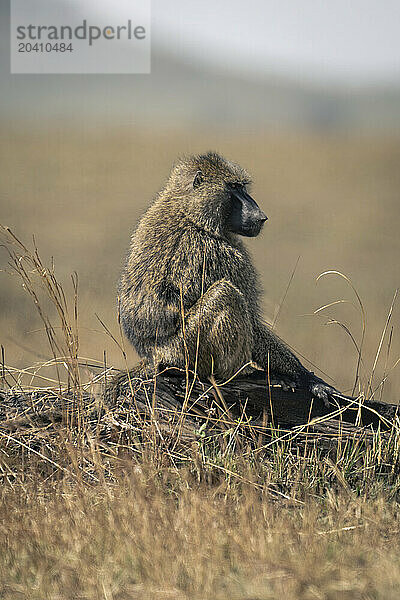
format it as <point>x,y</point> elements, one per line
<point>216,337</point>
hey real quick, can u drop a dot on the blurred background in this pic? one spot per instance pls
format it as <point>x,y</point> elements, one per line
<point>305,95</point>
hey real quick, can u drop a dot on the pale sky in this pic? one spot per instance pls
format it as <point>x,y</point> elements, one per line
<point>328,39</point>
<point>349,41</point>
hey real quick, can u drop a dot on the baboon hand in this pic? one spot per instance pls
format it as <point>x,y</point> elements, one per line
<point>320,389</point>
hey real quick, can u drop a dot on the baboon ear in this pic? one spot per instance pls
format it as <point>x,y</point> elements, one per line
<point>198,179</point>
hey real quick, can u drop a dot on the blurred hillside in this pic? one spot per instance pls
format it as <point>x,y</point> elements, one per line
<point>182,93</point>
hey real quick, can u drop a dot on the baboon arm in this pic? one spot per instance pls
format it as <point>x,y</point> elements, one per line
<point>215,336</point>
<point>271,352</point>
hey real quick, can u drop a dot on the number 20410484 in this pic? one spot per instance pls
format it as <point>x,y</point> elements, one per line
<point>48,47</point>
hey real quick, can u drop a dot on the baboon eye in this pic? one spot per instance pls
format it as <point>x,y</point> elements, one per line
<point>198,179</point>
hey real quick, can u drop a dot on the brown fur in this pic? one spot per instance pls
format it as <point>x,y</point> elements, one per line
<point>189,293</point>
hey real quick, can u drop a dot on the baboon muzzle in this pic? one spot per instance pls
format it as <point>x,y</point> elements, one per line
<point>247,218</point>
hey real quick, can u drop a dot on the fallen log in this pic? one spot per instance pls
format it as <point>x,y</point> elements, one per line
<point>248,403</point>
<point>286,407</point>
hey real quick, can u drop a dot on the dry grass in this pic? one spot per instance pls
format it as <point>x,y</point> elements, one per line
<point>119,516</point>
<point>161,535</point>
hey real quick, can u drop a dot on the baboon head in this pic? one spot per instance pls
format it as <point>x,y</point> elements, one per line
<point>213,194</point>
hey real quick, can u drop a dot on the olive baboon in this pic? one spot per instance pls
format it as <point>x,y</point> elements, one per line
<point>189,293</point>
